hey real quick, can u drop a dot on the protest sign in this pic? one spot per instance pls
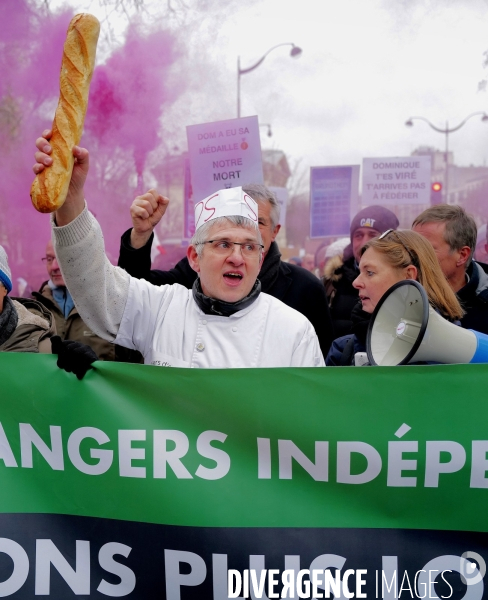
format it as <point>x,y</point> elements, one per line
<point>403,180</point>
<point>333,200</point>
<point>146,482</point>
<point>224,154</point>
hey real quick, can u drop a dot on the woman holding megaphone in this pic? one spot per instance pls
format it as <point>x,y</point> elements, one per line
<point>392,257</point>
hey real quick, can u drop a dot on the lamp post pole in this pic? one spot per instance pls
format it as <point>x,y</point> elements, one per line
<point>446,131</point>
<point>295,51</point>
<point>446,161</point>
<point>238,87</point>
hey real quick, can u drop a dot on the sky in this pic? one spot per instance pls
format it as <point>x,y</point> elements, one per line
<point>366,67</point>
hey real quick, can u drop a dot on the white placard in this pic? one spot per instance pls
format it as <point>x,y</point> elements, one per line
<point>224,154</point>
<point>396,180</point>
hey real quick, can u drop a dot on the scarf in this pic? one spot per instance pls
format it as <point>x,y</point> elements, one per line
<point>62,297</point>
<point>271,267</point>
<point>8,320</point>
<point>212,306</point>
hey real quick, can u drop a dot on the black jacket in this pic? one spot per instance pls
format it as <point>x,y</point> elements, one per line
<point>342,296</point>
<point>289,283</point>
<point>474,299</point>
<point>343,349</point>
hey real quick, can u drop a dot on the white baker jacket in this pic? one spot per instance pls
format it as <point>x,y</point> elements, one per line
<point>165,324</point>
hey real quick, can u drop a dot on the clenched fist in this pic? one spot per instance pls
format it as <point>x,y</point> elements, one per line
<point>146,211</point>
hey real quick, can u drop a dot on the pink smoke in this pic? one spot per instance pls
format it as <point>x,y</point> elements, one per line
<point>128,92</point>
<point>128,96</point>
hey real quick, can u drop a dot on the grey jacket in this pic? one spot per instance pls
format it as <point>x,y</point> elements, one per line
<point>34,329</point>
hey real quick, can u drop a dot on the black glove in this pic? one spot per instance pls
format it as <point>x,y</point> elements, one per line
<point>73,357</point>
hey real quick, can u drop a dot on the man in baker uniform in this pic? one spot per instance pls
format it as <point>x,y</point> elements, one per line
<point>296,287</point>
<point>224,321</point>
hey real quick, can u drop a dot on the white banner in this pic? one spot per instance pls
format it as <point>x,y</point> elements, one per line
<point>224,154</point>
<point>403,180</point>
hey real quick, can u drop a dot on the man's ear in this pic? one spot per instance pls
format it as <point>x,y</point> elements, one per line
<point>276,230</point>
<point>193,258</point>
<point>464,254</point>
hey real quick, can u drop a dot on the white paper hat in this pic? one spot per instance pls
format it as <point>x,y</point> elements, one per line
<point>226,203</point>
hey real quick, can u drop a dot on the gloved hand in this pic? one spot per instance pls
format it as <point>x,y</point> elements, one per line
<point>73,357</point>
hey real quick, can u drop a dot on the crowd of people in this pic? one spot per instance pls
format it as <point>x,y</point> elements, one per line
<point>232,301</point>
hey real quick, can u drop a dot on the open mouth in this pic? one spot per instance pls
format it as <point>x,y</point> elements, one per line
<point>233,278</point>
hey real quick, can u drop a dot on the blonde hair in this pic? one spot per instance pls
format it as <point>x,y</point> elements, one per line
<point>404,248</point>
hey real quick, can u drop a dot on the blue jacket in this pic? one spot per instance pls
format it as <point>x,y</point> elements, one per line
<point>337,356</point>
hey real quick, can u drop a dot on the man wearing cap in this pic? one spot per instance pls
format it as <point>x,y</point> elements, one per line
<point>25,325</point>
<point>224,321</point>
<point>367,224</point>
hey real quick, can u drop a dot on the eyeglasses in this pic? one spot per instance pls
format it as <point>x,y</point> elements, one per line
<point>407,250</point>
<point>226,248</point>
<point>48,259</point>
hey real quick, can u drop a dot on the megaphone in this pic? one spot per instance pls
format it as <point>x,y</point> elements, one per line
<point>404,328</point>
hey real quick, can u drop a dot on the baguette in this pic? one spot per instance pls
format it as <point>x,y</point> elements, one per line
<point>49,189</point>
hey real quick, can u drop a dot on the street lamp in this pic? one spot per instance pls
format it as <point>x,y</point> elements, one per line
<point>446,131</point>
<point>269,132</point>
<point>295,51</point>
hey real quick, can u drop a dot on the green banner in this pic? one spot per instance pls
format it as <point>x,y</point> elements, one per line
<point>275,451</point>
<point>302,406</point>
